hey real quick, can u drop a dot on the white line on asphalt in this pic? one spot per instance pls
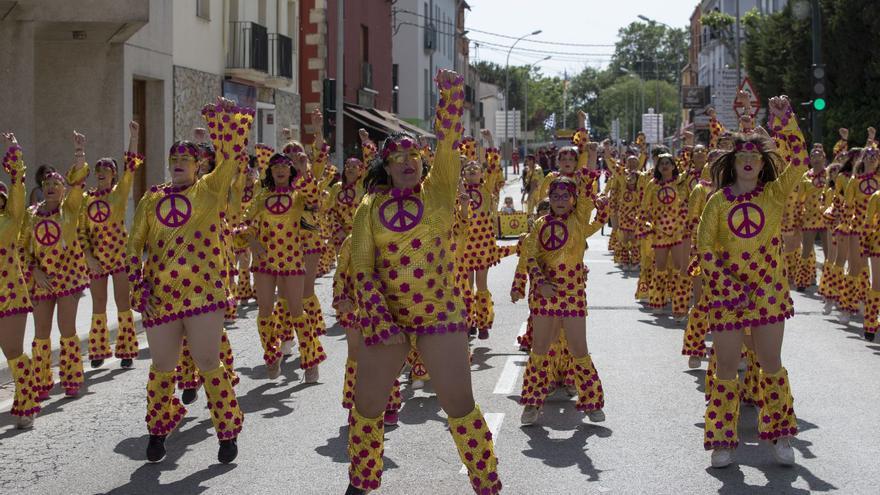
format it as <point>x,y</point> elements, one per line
<point>509,374</point>
<point>522,330</point>
<point>493,420</point>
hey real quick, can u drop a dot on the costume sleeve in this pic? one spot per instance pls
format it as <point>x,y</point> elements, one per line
<point>263,153</point>
<point>123,188</point>
<point>722,287</point>
<point>495,178</point>
<point>716,129</point>
<point>790,141</point>
<point>530,253</point>
<point>368,151</point>
<point>696,202</point>
<point>236,191</point>
<point>82,227</point>
<point>840,146</point>
<point>442,180</point>
<point>873,210</point>
<point>340,284</point>
<point>320,157</point>
<point>229,131</point>
<point>580,139</point>
<point>14,166</point>
<point>24,241</point>
<point>521,275</point>
<point>73,199</point>
<point>134,252</point>
<point>250,220</point>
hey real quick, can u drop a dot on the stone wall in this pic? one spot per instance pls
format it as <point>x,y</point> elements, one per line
<point>192,90</point>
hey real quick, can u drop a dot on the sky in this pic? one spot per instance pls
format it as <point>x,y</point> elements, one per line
<point>582,22</point>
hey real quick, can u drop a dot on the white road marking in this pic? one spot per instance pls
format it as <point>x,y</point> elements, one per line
<point>510,374</point>
<point>493,420</point>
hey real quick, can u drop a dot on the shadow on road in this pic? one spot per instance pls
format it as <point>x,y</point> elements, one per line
<point>336,449</point>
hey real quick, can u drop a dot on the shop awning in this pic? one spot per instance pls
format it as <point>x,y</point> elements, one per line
<point>418,131</point>
<point>382,122</point>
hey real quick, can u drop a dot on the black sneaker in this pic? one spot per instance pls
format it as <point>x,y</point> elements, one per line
<point>228,451</point>
<point>355,491</point>
<point>870,336</point>
<point>189,395</point>
<point>127,363</point>
<point>473,331</point>
<point>156,449</point>
<point>97,363</point>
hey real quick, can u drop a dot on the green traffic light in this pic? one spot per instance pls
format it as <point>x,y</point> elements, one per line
<point>819,104</point>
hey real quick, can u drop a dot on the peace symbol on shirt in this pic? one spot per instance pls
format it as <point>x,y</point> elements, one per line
<point>401,214</point>
<point>746,220</point>
<point>47,232</point>
<point>278,204</point>
<point>174,210</point>
<point>553,235</point>
<point>247,195</point>
<point>99,211</point>
<point>868,186</point>
<point>666,195</point>
<point>476,198</point>
<point>627,196</point>
<point>345,196</point>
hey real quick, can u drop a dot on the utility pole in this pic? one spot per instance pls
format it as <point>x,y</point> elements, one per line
<point>340,85</point>
<point>736,43</point>
<point>817,130</point>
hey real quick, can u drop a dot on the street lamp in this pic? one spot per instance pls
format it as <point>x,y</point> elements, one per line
<point>528,76</point>
<point>507,87</point>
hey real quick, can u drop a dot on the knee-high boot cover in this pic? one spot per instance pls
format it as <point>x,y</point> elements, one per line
<point>41,350</point>
<point>227,358</point>
<point>750,391</point>
<point>126,338</point>
<point>777,418</point>
<point>476,450</point>
<point>269,340</point>
<point>315,314</point>
<point>694,340</point>
<point>536,380</point>
<point>418,370</point>
<point>872,312</point>
<point>484,310</point>
<point>222,402</point>
<point>25,401</point>
<point>658,289</point>
<point>681,292</point>
<point>283,320</point>
<point>806,273</point>
<point>99,338</point>
<point>366,444</point>
<point>311,353</point>
<point>722,415</point>
<point>187,373</point>
<point>164,410</point>
<point>70,362</point>
<point>591,397</point>
<point>828,281</point>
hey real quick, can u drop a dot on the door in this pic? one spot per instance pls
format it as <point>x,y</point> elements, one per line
<point>266,124</point>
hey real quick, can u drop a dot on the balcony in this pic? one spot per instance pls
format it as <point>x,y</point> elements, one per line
<point>247,51</point>
<point>366,75</point>
<point>280,61</point>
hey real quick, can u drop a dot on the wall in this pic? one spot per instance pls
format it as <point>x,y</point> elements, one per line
<point>198,44</point>
<point>192,90</point>
<point>17,72</point>
<point>312,45</point>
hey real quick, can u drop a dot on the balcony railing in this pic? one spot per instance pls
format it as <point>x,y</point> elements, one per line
<point>248,46</point>
<point>281,56</point>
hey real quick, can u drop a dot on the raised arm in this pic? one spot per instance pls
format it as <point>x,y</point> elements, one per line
<point>790,143</point>
<point>228,126</point>
<point>442,180</point>
<point>133,160</point>
<point>14,166</point>
<point>76,177</point>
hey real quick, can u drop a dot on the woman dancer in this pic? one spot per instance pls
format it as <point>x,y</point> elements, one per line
<point>740,243</point>
<point>177,272</point>
<point>59,272</point>
<point>404,278</point>
<point>812,204</point>
<point>15,304</point>
<point>103,237</point>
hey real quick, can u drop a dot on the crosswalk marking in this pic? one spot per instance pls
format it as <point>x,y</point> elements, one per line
<point>510,374</point>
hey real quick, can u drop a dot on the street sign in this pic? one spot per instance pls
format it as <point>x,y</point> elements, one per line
<point>754,98</point>
<point>615,130</point>
<point>694,96</point>
<point>652,126</point>
<point>511,128</point>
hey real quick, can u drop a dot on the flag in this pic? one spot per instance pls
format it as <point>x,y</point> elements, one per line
<point>550,122</point>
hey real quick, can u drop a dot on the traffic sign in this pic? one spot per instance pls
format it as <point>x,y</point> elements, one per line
<point>754,98</point>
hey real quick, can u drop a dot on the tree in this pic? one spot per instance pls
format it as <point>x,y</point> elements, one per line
<point>650,50</point>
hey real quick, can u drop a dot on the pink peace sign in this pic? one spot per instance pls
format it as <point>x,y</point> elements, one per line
<point>99,211</point>
<point>247,195</point>
<point>746,220</point>
<point>514,223</point>
<point>174,210</point>
<point>666,195</point>
<point>476,198</point>
<point>401,219</point>
<point>553,235</point>
<point>627,196</point>
<point>345,196</point>
<point>868,186</point>
<point>47,232</point>
<point>278,204</point>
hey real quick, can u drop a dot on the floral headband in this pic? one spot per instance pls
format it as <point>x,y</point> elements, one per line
<point>290,148</point>
<point>568,151</point>
<point>280,159</point>
<point>354,162</point>
<point>53,176</point>
<point>748,147</point>
<point>186,149</point>
<point>106,163</point>
<point>404,144</point>
<point>564,186</point>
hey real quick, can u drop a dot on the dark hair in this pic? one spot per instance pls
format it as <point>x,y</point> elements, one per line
<point>544,204</point>
<point>658,150</point>
<point>111,164</point>
<point>724,168</point>
<point>848,167</point>
<point>376,175</point>
<point>657,175</point>
<point>41,171</point>
<point>269,181</point>
<point>206,152</point>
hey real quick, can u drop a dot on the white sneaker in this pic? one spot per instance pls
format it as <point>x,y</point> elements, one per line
<point>721,458</point>
<point>287,348</point>
<point>694,362</point>
<point>529,415</point>
<point>24,422</point>
<point>829,307</point>
<point>596,416</point>
<point>843,318</point>
<point>417,384</point>
<point>782,452</point>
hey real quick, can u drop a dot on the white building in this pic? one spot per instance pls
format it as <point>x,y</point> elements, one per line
<point>491,100</point>
<point>423,43</point>
<point>717,64</point>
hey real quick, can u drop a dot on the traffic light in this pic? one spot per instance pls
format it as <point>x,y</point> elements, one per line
<point>820,87</point>
<point>329,108</point>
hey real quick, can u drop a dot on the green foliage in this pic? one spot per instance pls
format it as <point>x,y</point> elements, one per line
<point>651,51</point>
<point>716,20</point>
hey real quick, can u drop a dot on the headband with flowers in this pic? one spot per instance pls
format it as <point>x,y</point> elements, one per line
<point>53,176</point>
<point>106,163</point>
<point>186,149</point>
<point>404,144</point>
<point>292,147</point>
<point>564,186</point>
<point>749,147</point>
<point>280,159</point>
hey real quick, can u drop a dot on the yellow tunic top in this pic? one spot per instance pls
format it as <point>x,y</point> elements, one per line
<point>812,201</point>
<point>175,252</point>
<point>664,206</point>
<point>480,250</point>
<point>273,218</point>
<point>404,266</point>
<point>630,191</point>
<point>14,298</point>
<point>343,287</point>
<point>102,226</point>
<point>740,241</point>
<point>871,238</point>
<point>51,243</point>
<point>342,202</point>
<point>323,172</point>
<point>239,230</point>
<point>858,192</point>
<point>533,183</point>
<point>554,253</point>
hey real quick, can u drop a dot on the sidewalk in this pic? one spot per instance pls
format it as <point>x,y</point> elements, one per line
<point>83,324</point>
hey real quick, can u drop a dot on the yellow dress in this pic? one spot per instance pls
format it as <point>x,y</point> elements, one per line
<point>311,236</point>
<point>630,189</point>
<point>812,201</point>
<point>835,213</point>
<point>533,184</point>
<point>50,241</point>
<point>14,298</point>
<point>102,226</point>
<point>858,191</point>
<point>403,266</point>
<point>740,241</point>
<point>871,241</point>
<point>480,249</point>
<point>343,287</point>
<point>664,205</point>
<point>554,253</point>
<point>175,256</point>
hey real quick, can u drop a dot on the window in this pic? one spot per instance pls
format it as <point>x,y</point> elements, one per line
<point>203,9</point>
<point>365,43</point>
